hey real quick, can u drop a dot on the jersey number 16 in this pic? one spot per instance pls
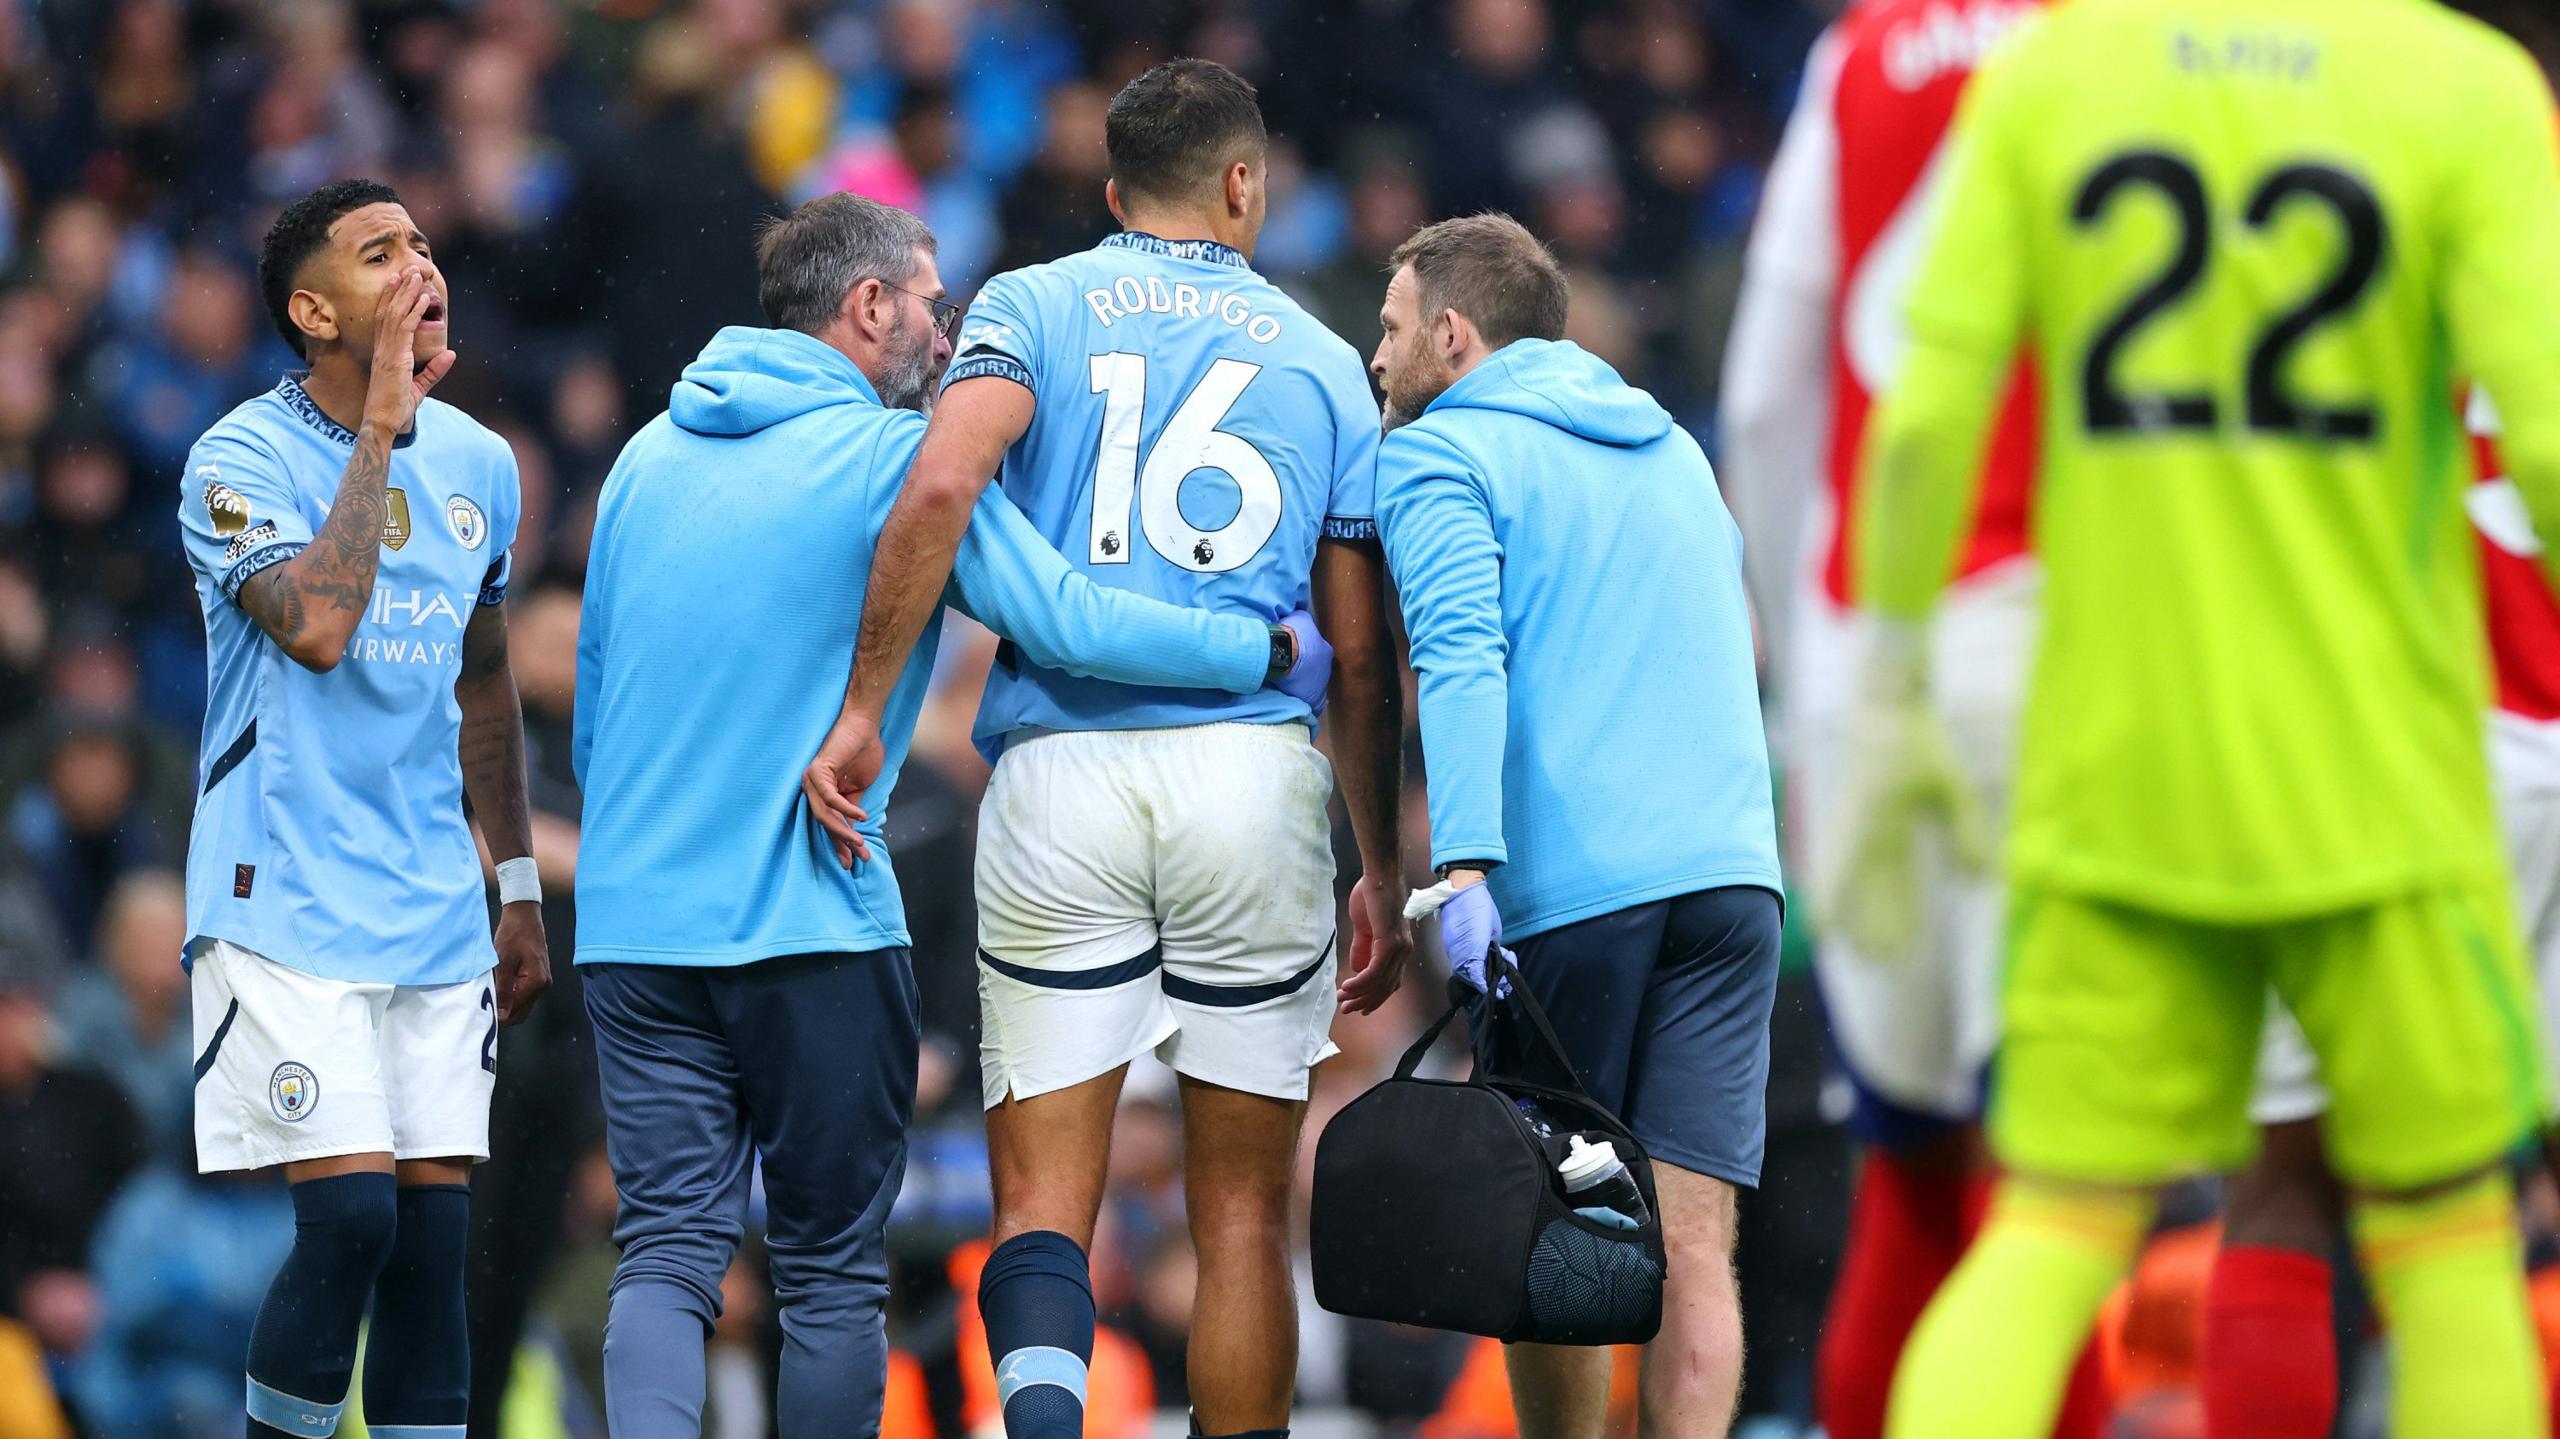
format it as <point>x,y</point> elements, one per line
<point>1191,441</point>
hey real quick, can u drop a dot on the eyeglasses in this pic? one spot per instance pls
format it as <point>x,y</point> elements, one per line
<point>946,315</point>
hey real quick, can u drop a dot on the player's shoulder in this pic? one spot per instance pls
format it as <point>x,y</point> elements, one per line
<point>2503,103</point>
<point>1048,280</point>
<point>457,427</point>
<point>1298,323</point>
<point>246,432</point>
<point>2488,53</point>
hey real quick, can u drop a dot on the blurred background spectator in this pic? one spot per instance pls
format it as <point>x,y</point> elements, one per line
<point>73,1141</point>
<point>127,1013</point>
<point>592,172</point>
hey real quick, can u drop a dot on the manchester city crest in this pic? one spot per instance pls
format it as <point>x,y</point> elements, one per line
<point>292,1091</point>
<point>469,525</point>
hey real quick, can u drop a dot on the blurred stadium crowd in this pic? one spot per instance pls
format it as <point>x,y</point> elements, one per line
<point>590,171</point>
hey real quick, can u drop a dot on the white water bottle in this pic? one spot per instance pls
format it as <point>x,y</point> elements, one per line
<point>1598,1182</point>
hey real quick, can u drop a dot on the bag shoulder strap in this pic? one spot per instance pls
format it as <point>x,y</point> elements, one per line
<point>1413,1055</point>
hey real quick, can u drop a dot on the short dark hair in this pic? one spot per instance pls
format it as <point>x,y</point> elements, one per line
<point>808,259</point>
<point>301,232</point>
<point>1490,269</point>
<point>1174,130</point>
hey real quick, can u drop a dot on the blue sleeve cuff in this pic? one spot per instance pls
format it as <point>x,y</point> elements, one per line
<point>1002,366</point>
<point>241,573</point>
<point>1487,852</point>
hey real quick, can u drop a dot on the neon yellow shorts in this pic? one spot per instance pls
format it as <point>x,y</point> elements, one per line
<point>2130,1038</point>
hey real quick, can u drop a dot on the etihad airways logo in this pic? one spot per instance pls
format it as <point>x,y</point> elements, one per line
<point>414,608</point>
<point>401,611</point>
<point>400,650</point>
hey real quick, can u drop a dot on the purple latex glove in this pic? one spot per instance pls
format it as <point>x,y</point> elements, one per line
<point>1470,927</point>
<point>1306,680</point>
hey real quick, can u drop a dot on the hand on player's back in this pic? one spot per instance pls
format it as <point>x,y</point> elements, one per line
<point>848,764</point>
<point>399,382</point>
<point>1310,675</point>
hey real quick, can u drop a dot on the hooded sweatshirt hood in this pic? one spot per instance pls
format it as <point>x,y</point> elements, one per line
<point>1558,383</point>
<point>748,380</point>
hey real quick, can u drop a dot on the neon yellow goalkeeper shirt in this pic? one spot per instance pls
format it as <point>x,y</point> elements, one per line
<point>2252,244</point>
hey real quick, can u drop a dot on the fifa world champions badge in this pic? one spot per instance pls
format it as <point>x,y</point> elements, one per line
<point>395,517</point>
<point>293,1091</point>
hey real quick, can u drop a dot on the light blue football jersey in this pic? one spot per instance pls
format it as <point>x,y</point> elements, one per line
<point>328,833</point>
<point>1196,433</point>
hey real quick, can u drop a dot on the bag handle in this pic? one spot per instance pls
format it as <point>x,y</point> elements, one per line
<point>1498,967</point>
<point>1413,1056</point>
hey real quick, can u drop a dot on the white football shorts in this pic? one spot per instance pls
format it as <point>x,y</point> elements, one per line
<point>1164,890</point>
<point>1919,1029</point>
<point>2524,767</point>
<point>290,1066</point>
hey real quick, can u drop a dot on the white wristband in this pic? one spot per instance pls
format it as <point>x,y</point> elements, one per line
<point>519,880</point>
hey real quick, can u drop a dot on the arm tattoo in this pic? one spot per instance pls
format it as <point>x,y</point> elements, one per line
<point>275,602</point>
<point>492,749</point>
<point>339,566</point>
<point>333,575</point>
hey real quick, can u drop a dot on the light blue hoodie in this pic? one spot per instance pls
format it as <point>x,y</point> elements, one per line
<point>1573,587</point>
<point>732,548</point>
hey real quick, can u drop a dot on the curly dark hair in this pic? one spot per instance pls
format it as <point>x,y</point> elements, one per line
<point>300,233</point>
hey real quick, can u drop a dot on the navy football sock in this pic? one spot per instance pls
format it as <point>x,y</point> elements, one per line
<point>417,1364</point>
<point>1037,1297</point>
<point>304,1344</point>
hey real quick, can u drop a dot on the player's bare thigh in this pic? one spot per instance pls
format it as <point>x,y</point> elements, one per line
<point>1048,1156</point>
<point>337,1164</point>
<point>409,1171</point>
<point>1239,1153</point>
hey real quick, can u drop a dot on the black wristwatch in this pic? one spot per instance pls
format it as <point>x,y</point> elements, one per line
<point>1284,654</point>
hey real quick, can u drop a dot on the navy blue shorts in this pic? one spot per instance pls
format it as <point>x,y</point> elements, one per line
<point>1664,1008</point>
